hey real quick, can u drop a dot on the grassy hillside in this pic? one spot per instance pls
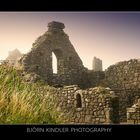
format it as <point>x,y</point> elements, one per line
<point>24,103</point>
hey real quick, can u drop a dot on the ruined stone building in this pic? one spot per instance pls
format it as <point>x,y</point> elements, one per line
<point>117,101</point>
<point>70,69</point>
<point>97,64</point>
<point>79,101</point>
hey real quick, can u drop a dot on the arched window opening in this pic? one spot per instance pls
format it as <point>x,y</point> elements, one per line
<point>54,63</point>
<point>78,101</point>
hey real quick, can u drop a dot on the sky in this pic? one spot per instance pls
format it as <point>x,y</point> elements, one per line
<point>110,36</point>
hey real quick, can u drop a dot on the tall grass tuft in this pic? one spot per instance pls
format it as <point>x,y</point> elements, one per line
<point>23,103</point>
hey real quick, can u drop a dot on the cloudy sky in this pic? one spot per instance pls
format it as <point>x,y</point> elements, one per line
<point>110,36</point>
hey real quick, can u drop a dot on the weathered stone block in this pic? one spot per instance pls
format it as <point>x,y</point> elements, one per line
<point>88,118</point>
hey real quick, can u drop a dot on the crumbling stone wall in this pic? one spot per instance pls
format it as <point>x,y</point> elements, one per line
<point>124,79</point>
<point>91,106</point>
<point>95,78</point>
<point>133,113</point>
<point>124,75</point>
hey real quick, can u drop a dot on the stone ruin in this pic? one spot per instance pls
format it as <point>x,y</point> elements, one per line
<point>39,59</point>
<point>97,64</point>
<point>13,57</point>
<point>83,103</point>
<point>70,69</point>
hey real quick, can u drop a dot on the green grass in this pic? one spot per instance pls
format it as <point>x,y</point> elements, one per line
<point>24,103</point>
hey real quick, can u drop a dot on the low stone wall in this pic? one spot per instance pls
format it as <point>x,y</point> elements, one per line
<point>91,106</point>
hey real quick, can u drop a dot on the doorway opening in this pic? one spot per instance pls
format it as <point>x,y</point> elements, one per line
<point>54,63</point>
